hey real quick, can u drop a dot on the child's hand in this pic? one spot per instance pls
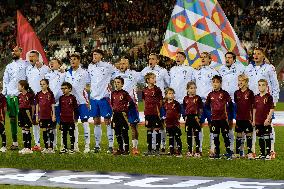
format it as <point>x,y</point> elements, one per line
<point>253,124</point>
<point>267,122</point>
<point>37,120</point>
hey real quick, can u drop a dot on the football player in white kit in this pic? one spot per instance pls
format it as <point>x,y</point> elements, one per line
<point>35,72</point>
<point>162,81</point>
<point>229,74</point>
<point>259,69</point>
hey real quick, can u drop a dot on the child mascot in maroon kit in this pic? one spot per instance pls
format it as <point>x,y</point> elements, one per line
<point>26,99</point>
<point>3,108</point>
<point>45,115</point>
<point>193,107</point>
<point>262,116</point>
<point>173,113</point>
<point>68,114</point>
<point>220,102</point>
<point>120,102</point>
<point>152,96</point>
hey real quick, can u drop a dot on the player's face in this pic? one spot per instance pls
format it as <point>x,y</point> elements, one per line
<point>153,61</point>
<point>229,59</point>
<point>242,83</point>
<point>54,65</point>
<point>20,88</point>
<point>43,85</point>
<point>152,80</point>
<point>170,95</point>
<point>180,59</point>
<point>258,56</point>
<point>205,60</point>
<point>191,90</point>
<point>16,53</point>
<point>262,86</point>
<point>33,58</point>
<point>216,84</point>
<point>118,84</point>
<point>75,63</point>
<point>97,57</point>
<point>65,90</point>
<point>123,65</point>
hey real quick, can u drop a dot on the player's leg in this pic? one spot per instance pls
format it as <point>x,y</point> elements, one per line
<point>189,135</point>
<point>125,136</point>
<point>260,134</point>
<point>72,137</point>
<point>225,133</point>
<point>95,113</point>
<point>12,110</point>
<point>157,127</point>
<point>64,128</point>
<point>117,126</point>
<point>3,136</point>
<point>239,138</point>
<point>272,137</point>
<point>133,119</point>
<point>178,141</point>
<point>51,137</point>
<point>215,130</point>
<point>106,112</point>
<point>171,141</point>
<point>57,115</point>
<point>196,132</point>
<point>149,132</point>
<point>162,129</point>
<point>84,116</point>
<point>267,137</point>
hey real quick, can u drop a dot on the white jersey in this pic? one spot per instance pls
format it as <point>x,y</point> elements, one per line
<point>180,75</point>
<point>35,75</point>
<point>55,79</point>
<point>162,76</point>
<point>203,79</point>
<point>14,72</point>
<point>264,71</point>
<point>131,78</point>
<point>78,79</point>
<point>100,74</point>
<point>230,77</point>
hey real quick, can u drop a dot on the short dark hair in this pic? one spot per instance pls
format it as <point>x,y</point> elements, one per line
<point>231,53</point>
<point>190,83</point>
<point>217,77</point>
<point>99,51</point>
<point>120,78</point>
<point>76,56</point>
<point>58,60</point>
<point>182,53</point>
<point>67,84</point>
<point>155,54</point>
<point>35,52</point>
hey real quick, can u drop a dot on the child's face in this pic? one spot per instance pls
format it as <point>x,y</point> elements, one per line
<point>152,80</point>
<point>53,65</point>
<point>118,84</point>
<point>20,87</point>
<point>242,83</point>
<point>216,84</point>
<point>262,87</point>
<point>170,95</point>
<point>43,85</point>
<point>191,90</point>
<point>65,90</point>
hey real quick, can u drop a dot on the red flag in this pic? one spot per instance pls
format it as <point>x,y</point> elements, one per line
<point>27,38</point>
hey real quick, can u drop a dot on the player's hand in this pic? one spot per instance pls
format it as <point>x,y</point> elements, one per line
<point>53,118</point>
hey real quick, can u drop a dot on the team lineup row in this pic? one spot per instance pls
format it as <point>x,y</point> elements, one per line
<point>98,76</point>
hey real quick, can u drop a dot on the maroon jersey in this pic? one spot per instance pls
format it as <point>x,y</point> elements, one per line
<point>45,101</point>
<point>68,108</point>
<point>152,98</point>
<point>26,101</point>
<point>120,101</point>
<point>173,111</point>
<point>192,105</point>
<point>218,101</point>
<point>262,104</point>
<point>3,105</point>
<point>244,103</point>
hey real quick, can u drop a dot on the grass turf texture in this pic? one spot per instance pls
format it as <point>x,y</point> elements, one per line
<point>23,187</point>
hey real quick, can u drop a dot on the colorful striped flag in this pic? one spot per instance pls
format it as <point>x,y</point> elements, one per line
<point>197,26</point>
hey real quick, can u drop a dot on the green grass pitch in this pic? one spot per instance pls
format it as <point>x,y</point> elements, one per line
<point>163,165</point>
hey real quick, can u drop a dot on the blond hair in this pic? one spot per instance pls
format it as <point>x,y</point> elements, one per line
<point>244,77</point>
<point>148,76</point>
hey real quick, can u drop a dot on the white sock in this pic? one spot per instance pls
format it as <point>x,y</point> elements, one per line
<point>76,134</point>
<point>253,140</point>
<point>272,137</point>
<point>110,136</point>
<point>135,143</point>
<point>55,137</point>
<point>15,144</point>
<point>201,139</point>
<point>87,133</point>
<point>154,134</point>
<point>163,138</point>
<point>36,133</point>
<point>232,139</point>
<point>212,145</point>
<point>98,135</point>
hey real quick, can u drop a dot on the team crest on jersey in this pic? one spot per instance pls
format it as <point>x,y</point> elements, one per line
<point>246,96</point>
<point>212,98</point>
<point>264,100</point>
<point>221,96</point>
<point>121,97</point>
<point>70,101</point>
